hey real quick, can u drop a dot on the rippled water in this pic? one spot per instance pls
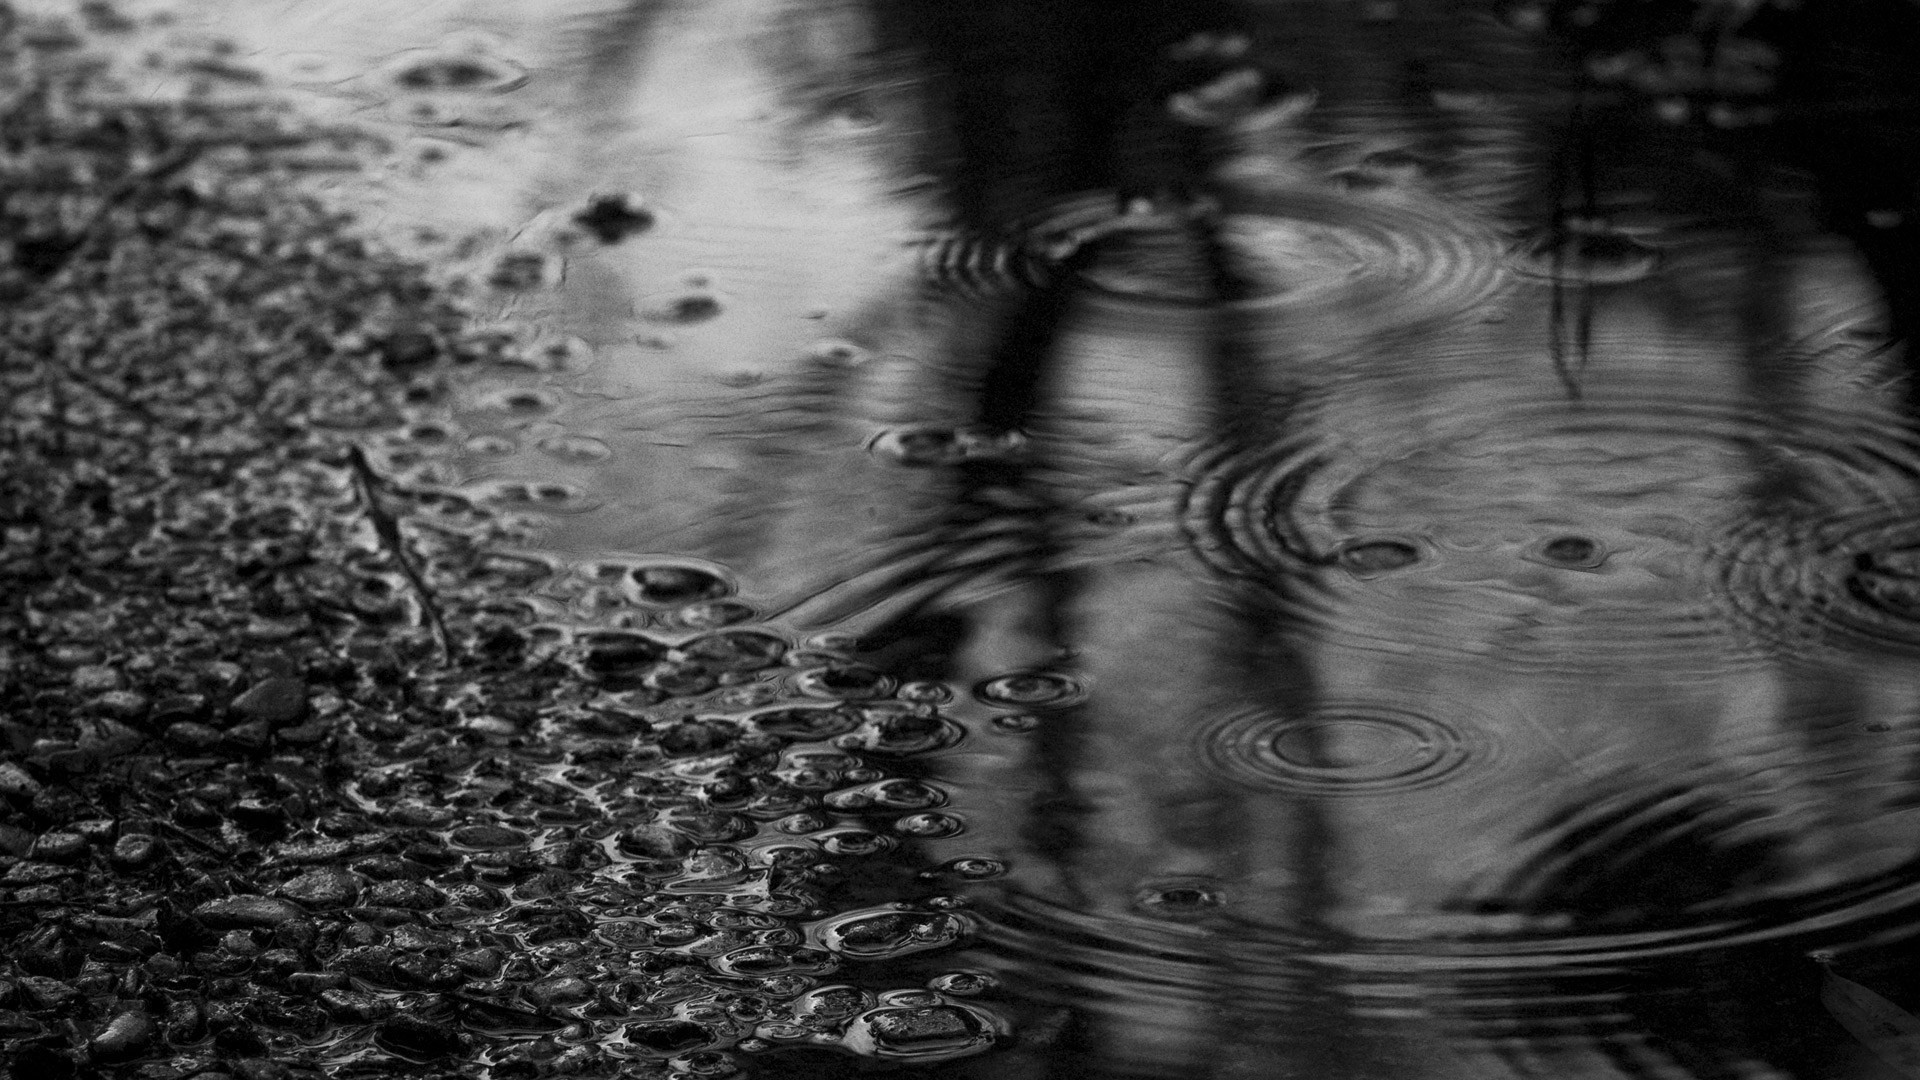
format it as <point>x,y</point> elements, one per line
<point>1394,523</point>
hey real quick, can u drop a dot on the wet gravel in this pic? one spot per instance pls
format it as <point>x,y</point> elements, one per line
<point>284,790</point>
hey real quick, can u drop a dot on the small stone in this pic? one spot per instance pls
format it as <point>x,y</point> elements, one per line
<point>96,679</point>
<point>193,735</point>
<point>122,705</point>
<point>15,841</point>
<point>416,1037</point>
<point>124,1037</point>
<point>278,702</point>
<point>252,737</point>
<point>409,895</point>
<point>355,1006</point>
<point>135,850</point>
<point>482,963</point>
<point>323,887</point>
<point>59,847</point>
<point>243,912</point>
<point>566,990</point>
<point>104,739</point>
<point>41,993</point>
<point>489,836</point>
<point>370,962</point>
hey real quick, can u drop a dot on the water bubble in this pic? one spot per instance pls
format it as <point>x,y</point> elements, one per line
<point>544,496</point>
<point>929,826</point>
<point>887,933</point>
<point>804,722</point>
<point>612,218</point>
<point>681,308</point>
<point>1342,748</point>
<point>925,693</point>
<point>521,403</point>
<point>1369,558</point>
<point>672,585</point>
<point>1592,254</point>
<point>491,446</point>
<point>1573,552</point>
<point>1178,899</point>
<point>1033,690</point>
<point>711,614</point>
<point>838,354</point>
<point>850,682</point>
<point>736,650</point>
<point>923,1034</point>
<point>975,867</point>
<point>895,794</point>
<point>577,449</point>
<point>963,983</point>
<point>856,843</point>
<point>465,71</point>
<point>830,1003</point>
<point>757,961</point>
<point>705,1063</point>
<point>612,651</point>
<point>902,733</point>
<point>1015,723</point>
<point>520,271</point>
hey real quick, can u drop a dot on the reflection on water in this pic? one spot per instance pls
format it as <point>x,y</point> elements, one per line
<point>1390,525</point>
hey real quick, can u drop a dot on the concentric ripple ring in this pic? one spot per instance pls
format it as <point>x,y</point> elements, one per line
<point>1342,748</point>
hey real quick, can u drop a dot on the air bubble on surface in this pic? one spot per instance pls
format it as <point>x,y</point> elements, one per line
<point>804,722</point>
<point>924,1034</point>
<point>735,650</point>
<point>848,682</point>
<point>672,584</point>
<point>518,403</point>
<point>1179,899</point>
<point>541,496</point>
<point>465,67</point>
<point>1033,690</point>
<point>575,449</point>
<point>889,932</point>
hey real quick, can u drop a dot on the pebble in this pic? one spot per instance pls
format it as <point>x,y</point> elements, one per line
<point>59,847</point>
<point>41,993</point>
<point>122,704</point>
<point>409,895</point>
<point>96,679</point>
<point>355,1006</point>
<point>417,1037</point>
<point>488,836</point>
<point>15,783</point>
<point>323,887</point>
<point>125,1036</point>
<point>566,990</point>
<point>241,912</point>
<point>277,702</point>
<point>135,850</point>
<point>193,735</point>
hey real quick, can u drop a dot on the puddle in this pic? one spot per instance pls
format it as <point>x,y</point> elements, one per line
<point>1363,541</point>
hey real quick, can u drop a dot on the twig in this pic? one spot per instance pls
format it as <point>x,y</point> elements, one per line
<point>388,529</point>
